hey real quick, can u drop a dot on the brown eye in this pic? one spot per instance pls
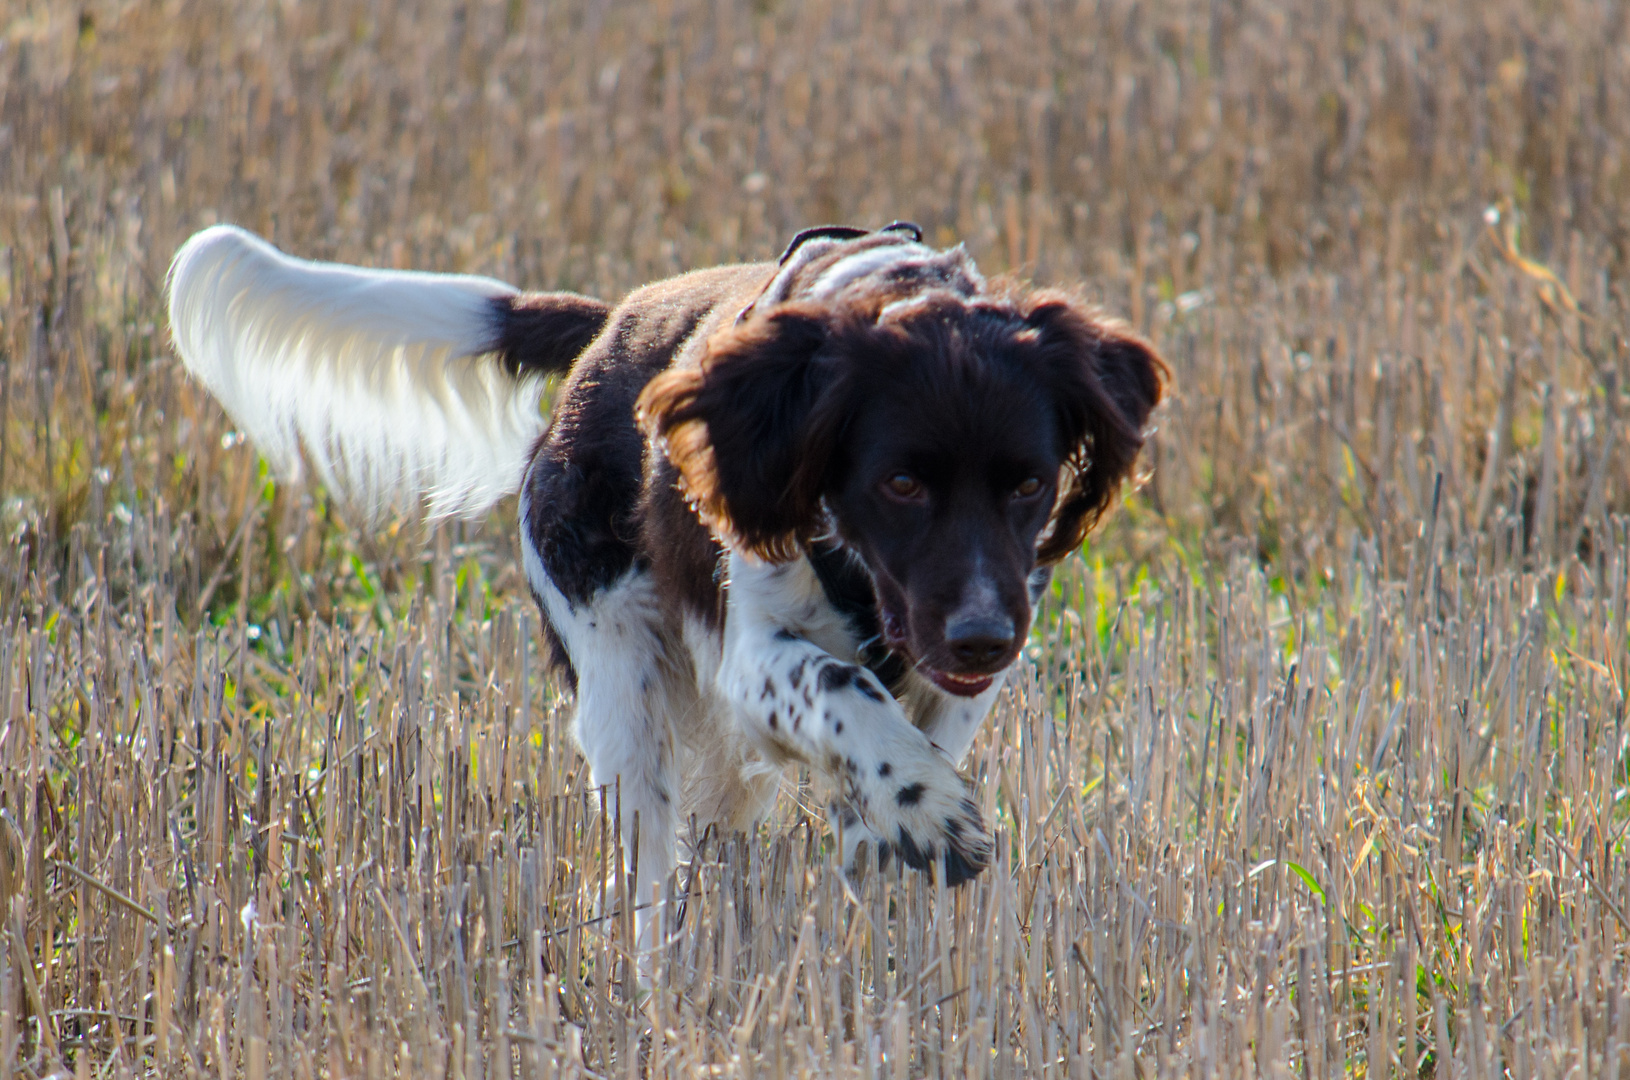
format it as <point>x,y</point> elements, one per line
<point>903,486</point>
<point>1028,488</point>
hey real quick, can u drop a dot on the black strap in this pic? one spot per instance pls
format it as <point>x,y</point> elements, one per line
<point>911,227</point>
<point>819,232</point>
<point>847,232</point>
<point>829,232</point>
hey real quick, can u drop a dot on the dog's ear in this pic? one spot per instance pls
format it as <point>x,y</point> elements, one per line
<point>752,428</point>
<point>1105,381</point>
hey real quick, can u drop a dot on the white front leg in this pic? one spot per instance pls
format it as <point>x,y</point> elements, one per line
<point>951,722</point>
<point>798,702</point>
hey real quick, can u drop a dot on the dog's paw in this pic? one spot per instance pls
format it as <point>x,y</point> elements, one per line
<point>918,803</point>
<point>962,847</point>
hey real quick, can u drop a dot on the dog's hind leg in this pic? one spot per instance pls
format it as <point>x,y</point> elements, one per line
<point>627,692</point>
<point>602,608</point>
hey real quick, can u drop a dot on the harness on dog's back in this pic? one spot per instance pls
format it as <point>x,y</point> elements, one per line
<point>811,245</point>
<point>846,232</point>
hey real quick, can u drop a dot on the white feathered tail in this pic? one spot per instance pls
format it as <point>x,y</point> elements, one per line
<point>385,377</point>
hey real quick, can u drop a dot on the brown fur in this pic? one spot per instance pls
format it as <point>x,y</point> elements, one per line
<point>1107,380</point>
<point>746,387</point>
<point>930,444</point>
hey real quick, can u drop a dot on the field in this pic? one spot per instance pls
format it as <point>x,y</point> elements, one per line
<point>1316,764</point>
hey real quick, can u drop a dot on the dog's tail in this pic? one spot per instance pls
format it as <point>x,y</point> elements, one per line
<point>400,386</point>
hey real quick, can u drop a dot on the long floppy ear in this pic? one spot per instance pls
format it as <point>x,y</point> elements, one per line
<point>752,428</point>
<point>1105,382</point>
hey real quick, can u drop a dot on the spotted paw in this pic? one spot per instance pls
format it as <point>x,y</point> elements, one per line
<point>963,849</point>
<point>915,800</point>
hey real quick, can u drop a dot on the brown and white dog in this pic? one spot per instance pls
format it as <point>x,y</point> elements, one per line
<point>783,512</point>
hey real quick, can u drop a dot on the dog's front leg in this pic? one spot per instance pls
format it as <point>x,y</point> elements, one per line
<point>799,702</point>
<point>951,724</point>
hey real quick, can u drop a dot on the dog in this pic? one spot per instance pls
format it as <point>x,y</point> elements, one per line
<point>783,513</point>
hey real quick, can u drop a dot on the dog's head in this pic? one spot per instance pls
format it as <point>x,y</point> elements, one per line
<point>952,437</point>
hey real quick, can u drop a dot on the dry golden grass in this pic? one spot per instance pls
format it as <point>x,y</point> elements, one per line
<point>1317,764</point>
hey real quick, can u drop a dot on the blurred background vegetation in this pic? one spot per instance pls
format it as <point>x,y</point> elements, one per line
<point>1291,199</point>
<point>1384,247</point>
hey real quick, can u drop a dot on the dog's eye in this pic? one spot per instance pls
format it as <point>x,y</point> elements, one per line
<point>903,486</point>
<point>1028,488</point>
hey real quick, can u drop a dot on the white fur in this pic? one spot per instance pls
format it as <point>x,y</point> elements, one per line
<point>705,647</point>
<point>868,262</point>
<point>782,638</point>
<point>676,719</point>
<point>949,721</point>
<point>381,375</point>
<point>780,285</point>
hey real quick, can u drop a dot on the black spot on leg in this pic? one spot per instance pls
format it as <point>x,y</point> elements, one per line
<point>769,690</point>
<point>960,866</point>
<point>965,856</point>
<point>910,795</point>
<point>959,869</point>
<point>775,720</point>
<point>834,677</point>
<point>850,767</point>
<point>884,769</point>
<point>918,858</point>
<point>841,812</point>
<point>837,727</point>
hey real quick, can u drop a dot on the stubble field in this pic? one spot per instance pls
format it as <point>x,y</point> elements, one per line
<point>1316,764</point>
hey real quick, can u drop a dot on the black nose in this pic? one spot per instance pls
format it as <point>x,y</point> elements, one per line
<point>979,640</point>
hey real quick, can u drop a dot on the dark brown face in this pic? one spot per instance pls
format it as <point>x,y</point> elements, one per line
<point>957,442</point>
<point>943,480</point>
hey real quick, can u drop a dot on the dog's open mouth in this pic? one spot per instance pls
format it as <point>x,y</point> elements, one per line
<point>961,685</point>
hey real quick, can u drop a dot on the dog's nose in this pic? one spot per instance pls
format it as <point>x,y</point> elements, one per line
<point>979,640</point>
